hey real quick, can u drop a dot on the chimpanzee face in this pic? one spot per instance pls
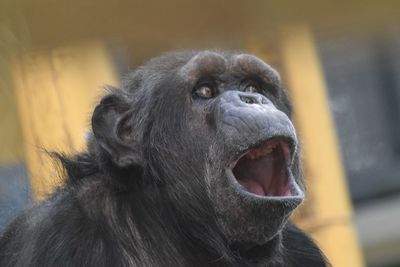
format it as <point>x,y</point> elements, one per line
<point>228,130</point>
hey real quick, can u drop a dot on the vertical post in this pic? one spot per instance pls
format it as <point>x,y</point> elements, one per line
<point>54,92</point>
<point>11,149</point>
<point>327,213</point>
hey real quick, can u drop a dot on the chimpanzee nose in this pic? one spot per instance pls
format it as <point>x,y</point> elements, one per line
<point>253,98</point>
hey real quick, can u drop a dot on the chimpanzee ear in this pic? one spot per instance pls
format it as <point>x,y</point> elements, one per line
<point>113,131</point>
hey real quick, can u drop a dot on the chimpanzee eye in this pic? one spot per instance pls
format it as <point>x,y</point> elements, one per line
<point>251,89</point>
<point>205,92</point>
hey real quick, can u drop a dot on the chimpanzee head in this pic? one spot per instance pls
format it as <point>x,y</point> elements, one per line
<point>207,129</point>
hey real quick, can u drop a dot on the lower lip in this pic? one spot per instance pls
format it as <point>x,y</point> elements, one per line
<point>296,193</point>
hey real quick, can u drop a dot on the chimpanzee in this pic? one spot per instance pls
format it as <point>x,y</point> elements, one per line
<point>193,161</point>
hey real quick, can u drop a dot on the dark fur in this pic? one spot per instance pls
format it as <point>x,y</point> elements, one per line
<point>138,196</point>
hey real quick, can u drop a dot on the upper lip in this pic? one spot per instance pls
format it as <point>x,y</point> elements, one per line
<point>290,141</point>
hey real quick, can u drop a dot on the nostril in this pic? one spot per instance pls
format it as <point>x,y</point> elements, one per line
<point>248,99</point>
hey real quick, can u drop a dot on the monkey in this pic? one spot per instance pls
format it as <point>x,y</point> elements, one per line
<point>192,161</point>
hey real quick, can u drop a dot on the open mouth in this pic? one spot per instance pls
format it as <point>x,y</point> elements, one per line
<point>264,170</point>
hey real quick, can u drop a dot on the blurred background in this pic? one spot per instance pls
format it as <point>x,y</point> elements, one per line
<point>340,62</point>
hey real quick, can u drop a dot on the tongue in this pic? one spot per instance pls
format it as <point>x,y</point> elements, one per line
<point>253,187</point>
<point>257,175</point>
